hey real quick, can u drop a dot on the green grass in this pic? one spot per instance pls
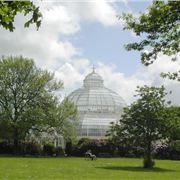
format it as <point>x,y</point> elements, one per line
<point>79,168</point>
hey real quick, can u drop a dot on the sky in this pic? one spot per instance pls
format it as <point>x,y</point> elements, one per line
<point>75,36</point>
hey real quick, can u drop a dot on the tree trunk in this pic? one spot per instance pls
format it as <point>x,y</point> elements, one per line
<point>16,140</point>
<point>148,162</point>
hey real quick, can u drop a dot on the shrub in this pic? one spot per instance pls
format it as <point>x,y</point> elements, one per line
<point>82,146</point>
<point>49,150</point>
<point>129,150</point>
<point>168,151</point>
<point>69,148</point>
<point>6,148</point>
<point>59,151</point>
<point>98,147</point>
<point>162,151</point>
<point>175,150</point>
<point>32,148</point>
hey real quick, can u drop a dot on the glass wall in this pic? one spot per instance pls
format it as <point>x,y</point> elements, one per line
<point>97,106</point>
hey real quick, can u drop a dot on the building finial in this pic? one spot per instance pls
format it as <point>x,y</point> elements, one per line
<point>93,69</point>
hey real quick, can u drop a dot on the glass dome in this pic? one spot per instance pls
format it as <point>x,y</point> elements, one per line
<point>97,106</point>
<point>93,81</point>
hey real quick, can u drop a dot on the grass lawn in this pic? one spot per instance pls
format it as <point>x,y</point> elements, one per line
<point>79,168</point>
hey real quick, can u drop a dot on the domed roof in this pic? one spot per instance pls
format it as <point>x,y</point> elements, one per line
<point>101,100</point>
<point>93,80</point>
<point>94,97</point>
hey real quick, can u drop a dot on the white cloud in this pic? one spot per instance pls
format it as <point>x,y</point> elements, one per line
<point>126,85</point>
<point>123,85</point>
<point>74,72</point>
<point>47,51</point>
<point>100,11</point>
<point>50,51</point>
<point>70,75</point>
<point>59,19</point>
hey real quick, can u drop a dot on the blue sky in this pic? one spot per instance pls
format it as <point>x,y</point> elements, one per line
<point>75,36</point>
<point>107,44</point>
<point>102,43</point>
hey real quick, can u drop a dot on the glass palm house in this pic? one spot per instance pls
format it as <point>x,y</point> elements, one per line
<point>97,107</point>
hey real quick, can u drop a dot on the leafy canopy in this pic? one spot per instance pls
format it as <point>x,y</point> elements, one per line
<point>173,123</point>
<point>160,29</point>
<point>9,10</point>
<point>143,122</point>
<point>27,100</point>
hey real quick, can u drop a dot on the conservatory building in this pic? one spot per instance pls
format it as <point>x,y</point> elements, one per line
<point>97,107</point>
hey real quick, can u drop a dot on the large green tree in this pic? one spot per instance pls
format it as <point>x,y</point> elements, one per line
<point>159,29</point>
<point>9,10</point>
<point>143,122</point>
<point>27,100</point>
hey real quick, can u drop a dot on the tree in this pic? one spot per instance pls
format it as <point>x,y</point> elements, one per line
<point>9,10</point>
<point>159,27</point>
<point>67,120</point>
<point>124,142</point>
<point>27,100</point>
<point>143,122</point>
<point>173,123</point>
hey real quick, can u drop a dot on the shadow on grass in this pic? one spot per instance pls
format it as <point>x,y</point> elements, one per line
<point>137,169</point>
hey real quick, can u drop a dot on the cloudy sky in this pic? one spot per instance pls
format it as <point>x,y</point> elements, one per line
<point>74,36</point>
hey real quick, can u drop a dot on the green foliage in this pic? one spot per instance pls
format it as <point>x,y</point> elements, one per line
<point>143,122</point>
<point>49,149</point>
<point>175,150</point>
<point>9,10</point>
<point>67,119</point>
<point>160,27</point>
<point>59,151</point>
<point>27,101</point>
<point>168,150</point>
<point>173,122</point>
<point>99,147</point>
<point>25,148</point>
<point>31,148</point>
<point>6,148</point>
